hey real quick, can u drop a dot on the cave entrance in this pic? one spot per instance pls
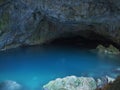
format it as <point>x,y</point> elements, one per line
<point>78,41</point>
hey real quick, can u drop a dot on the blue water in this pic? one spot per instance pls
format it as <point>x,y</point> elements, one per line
<point>35,66</point>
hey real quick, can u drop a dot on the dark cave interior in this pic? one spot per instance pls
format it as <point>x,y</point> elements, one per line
<point>82,42</point>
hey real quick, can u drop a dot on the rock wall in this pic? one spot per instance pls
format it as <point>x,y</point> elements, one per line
<point>31,22</point>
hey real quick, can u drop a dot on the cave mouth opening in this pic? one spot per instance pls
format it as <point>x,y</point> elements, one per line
<point>79,41</point>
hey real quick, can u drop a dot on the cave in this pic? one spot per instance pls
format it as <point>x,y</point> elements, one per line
<point>78,41</point>
<point>59,44</point>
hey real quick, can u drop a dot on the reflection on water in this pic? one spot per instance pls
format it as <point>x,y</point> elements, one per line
<point>36,66</point>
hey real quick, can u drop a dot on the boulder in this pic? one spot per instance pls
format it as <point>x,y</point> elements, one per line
<point>109,50</point>
<point>71,83</point>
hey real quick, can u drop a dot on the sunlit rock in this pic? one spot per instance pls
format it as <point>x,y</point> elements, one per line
<point>72,83</point>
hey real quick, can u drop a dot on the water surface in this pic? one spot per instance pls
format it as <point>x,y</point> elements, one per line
<point>36,66</point>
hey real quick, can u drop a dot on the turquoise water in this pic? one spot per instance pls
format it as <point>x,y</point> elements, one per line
<point>35,66</point>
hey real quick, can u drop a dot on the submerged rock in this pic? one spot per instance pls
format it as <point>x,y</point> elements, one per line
<point>10,85</point>
<point>72,83</point>
<point>109,50</point>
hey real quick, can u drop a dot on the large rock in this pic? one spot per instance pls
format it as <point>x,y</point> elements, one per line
<point>10,85</point>
<point>30,22</point>
<point>107,50</point>
<point>72,83</point>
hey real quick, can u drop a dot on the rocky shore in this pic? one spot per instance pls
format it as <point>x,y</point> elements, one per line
<point>78,83</point>
<point>70,83</point>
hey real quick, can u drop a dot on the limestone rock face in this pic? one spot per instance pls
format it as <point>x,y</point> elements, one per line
<point>72,83</point>
<point>31,22</point>
<point>77,10</point>
<point>10,85</point>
